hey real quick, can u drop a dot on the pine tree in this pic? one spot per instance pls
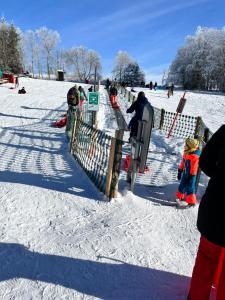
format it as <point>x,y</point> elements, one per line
<point>14,57</point>
<point>10,59</point>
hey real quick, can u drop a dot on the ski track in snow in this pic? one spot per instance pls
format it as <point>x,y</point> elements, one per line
<point>59,238</point>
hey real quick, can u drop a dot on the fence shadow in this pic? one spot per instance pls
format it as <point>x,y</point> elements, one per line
<point>40,158</point>
<point>105,278</point>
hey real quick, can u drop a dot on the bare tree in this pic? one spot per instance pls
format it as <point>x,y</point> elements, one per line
<point>84,62</point>
<point>31,47</point>
<point>49,40</point>
<point>121,63</point>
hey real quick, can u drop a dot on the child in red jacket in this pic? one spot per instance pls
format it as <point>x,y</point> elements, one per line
<point>187,173</point>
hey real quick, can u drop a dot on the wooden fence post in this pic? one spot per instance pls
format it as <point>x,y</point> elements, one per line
<point>197,126</point>
<point>117,163</point>
<point>74,135</point>
<point>110,167</point>
<point>162,118</point>
<point>129,93</point>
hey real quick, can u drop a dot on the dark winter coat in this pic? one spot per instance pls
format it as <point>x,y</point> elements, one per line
<point>73,96</point>
<point>113,91</point>
<point>138,107</point>
<point>22,91</point>
<point>211,214</point>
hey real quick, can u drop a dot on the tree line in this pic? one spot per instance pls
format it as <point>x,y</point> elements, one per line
<point>38,52</point>
<point>200,63</point>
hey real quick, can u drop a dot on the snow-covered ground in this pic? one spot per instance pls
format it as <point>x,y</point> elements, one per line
<point>209,106</point>
<point>60,239</point>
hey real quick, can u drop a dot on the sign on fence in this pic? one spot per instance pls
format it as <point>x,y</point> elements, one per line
<point>93,101</point>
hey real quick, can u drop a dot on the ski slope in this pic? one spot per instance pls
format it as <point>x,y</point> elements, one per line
<point>209,106</point>
<point>60,239</point>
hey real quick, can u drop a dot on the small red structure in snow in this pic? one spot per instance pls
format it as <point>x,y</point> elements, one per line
<point>126,164</point>
<point>61,123</point>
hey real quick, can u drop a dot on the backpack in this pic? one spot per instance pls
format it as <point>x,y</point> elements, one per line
<point>81,96</point>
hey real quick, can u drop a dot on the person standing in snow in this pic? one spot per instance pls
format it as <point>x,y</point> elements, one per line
<point>138,107</point>
<point>17,81</point>
<point>83,97</point>
<point>73,96</point>
<point>150,85</point>
<point>187,173</point>
<point>155,86</point>
<point>211,222</point>
<point>73,100</point>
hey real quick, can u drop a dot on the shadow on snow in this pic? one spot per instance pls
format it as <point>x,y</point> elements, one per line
<point>112,279</point>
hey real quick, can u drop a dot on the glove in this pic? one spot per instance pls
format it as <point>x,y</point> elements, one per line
<point>179,174</point>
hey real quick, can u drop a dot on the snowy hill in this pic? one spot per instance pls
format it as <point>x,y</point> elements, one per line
<point>59,238</point>
<point>209,106</point>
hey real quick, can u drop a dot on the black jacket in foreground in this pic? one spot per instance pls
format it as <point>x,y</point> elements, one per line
<point>138,107</point>
<point>211,214</point>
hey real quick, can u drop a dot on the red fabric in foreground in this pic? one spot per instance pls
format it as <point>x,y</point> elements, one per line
<point>126,164</point>
<point>209,270</point>
<point>60,123</point>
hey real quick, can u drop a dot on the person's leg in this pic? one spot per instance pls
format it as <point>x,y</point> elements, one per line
<point>221,284</point>
<point>204,270</point>
<point>180,194</point>
<point>190,191</point>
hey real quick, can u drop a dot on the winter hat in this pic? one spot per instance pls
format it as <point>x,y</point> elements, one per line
<point>191,144</point>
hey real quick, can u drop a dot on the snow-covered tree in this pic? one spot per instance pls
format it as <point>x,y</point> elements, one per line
<point>200,63</point>
<point>84,62</point>
<point>121,62</point>
<point>133,75</point>
<point>31,47</point>
<point>49,39</point>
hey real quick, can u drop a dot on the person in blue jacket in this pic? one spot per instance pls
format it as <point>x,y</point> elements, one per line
<point>187,173</point>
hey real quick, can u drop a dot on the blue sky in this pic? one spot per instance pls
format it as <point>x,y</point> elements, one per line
<point>150,31</point>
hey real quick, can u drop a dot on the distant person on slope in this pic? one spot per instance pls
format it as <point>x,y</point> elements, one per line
<point>150,85</point>
<point>22,91</point>
<point>90,89</point>
<point>138,107</point>
<point>187,173</point>
<point>113,93</point>
<point>211,223</point>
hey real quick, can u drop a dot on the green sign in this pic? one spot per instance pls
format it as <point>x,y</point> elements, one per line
<point>93,101</point>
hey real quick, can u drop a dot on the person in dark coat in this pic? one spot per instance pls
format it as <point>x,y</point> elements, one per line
<point>73,96</point>
<point>16,81</point>
<point>155,86</point>
<point>211,222</point>
<point>107,84</point>
<point>150,85</point>
<point>172,89</point>
<point>113,91</point>
<point>22,91</point>
<point>138,107</point>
